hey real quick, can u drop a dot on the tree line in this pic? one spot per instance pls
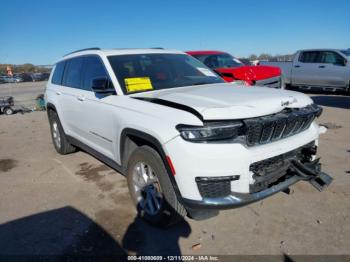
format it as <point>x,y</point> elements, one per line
<point>269,57</point>
<point>25,68</point>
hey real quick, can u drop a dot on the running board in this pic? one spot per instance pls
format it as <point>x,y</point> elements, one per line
<point>323,88</point>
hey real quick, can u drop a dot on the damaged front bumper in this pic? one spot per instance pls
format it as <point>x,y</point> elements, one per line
<point>298,171</point>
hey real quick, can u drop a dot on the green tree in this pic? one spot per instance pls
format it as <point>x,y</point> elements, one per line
<point>264,56</point>
<point>253,57</point>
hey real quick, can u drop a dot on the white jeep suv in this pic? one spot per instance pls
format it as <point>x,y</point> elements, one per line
<point>187,142</point>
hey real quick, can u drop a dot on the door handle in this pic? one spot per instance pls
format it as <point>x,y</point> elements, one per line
<point>80,98</point>
<point>321,66</point>
<point>297,66</point>
<point>58,93</point>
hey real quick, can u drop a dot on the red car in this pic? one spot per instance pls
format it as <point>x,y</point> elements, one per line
<point>231,69</point>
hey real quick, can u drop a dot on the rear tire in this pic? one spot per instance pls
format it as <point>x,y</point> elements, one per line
<point>59,138</point>
<point>152,191</point>
<point>8,111</point>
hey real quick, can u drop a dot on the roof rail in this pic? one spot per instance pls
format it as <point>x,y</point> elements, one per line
<point>84,49</point>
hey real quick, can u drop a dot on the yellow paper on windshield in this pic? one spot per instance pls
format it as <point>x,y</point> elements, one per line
<point>136,84</point>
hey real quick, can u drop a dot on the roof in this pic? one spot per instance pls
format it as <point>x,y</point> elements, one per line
<point>121,51</point>
<point>205,52</point>
<point>321,49</point>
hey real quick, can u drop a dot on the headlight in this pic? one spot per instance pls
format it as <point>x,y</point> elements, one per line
<point>210,131</point>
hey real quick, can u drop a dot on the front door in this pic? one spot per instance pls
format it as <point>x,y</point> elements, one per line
<point>305,71</point>
<point>96,114</point>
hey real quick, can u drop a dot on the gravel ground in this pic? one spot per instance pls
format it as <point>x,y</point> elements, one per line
<point>74,204</point>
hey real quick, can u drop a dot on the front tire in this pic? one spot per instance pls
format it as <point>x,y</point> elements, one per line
<point>151,189</point>
<point>59,138</point>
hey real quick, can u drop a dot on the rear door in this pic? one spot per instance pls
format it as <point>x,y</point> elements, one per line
<point>332,71</point>
<point>69,94</point>
<point>305,70</point>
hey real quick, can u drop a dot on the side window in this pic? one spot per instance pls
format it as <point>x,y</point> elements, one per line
<point>93,68</point>
<point>72,73</point>
<point>57,75</point>
<point>310,57</point>
<point>329,57</point>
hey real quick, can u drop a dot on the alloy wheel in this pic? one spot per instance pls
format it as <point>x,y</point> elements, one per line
<point>147,188</point>
<point>56,134</point>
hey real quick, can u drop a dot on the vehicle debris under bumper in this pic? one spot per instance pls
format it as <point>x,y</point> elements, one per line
<point>310,172</point>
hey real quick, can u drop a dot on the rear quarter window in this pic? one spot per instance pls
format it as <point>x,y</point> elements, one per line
<point>58,73</point>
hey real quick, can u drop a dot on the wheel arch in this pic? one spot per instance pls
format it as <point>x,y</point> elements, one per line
<point>130,139</point>
<point>49,107</point>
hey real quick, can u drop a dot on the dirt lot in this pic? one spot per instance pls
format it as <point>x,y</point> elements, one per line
<point>24,93</point>
<point>74,204</point>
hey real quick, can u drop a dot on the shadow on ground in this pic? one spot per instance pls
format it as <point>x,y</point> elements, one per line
<point>68,232</point>
<point>333,101</point>
<point>144,239</point>
<point>64,231</point>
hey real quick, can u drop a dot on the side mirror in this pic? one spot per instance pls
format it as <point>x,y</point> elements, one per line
<point>101,85</point>
<point>340,62</point>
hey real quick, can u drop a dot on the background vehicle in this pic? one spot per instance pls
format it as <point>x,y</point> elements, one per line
<point>36,77</point>
<point>40,76</point>
<point>11,79</point>
<point>7,79</point>
<point>325,69</point>
<point>6,105</point>
<point>188,142</point>
<point>232,69</point>
<point>17,79</point>
<point>25,77</point>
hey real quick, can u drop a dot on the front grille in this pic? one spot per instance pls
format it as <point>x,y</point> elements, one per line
<point>215,186</point>
<point>262,130</point>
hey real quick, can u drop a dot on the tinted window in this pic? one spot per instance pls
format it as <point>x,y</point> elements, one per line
<point>310,57</point>
<point>94,68</point>
<point>329,57</point>
<point>219,60</point>
<point>72,74</point>
<point>57,75</point>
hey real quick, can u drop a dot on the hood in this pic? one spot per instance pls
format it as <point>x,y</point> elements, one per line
<point>252,73</point>
<point>228,101</point>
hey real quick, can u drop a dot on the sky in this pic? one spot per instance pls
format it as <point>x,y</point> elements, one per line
<point>40,32</point>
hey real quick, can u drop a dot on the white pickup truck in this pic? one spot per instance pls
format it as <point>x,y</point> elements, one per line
<point>325,69</point>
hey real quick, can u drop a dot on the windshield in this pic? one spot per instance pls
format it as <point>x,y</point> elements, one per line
<point>146,72</point>
<point>346,52</point>
<point>221,60</point>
